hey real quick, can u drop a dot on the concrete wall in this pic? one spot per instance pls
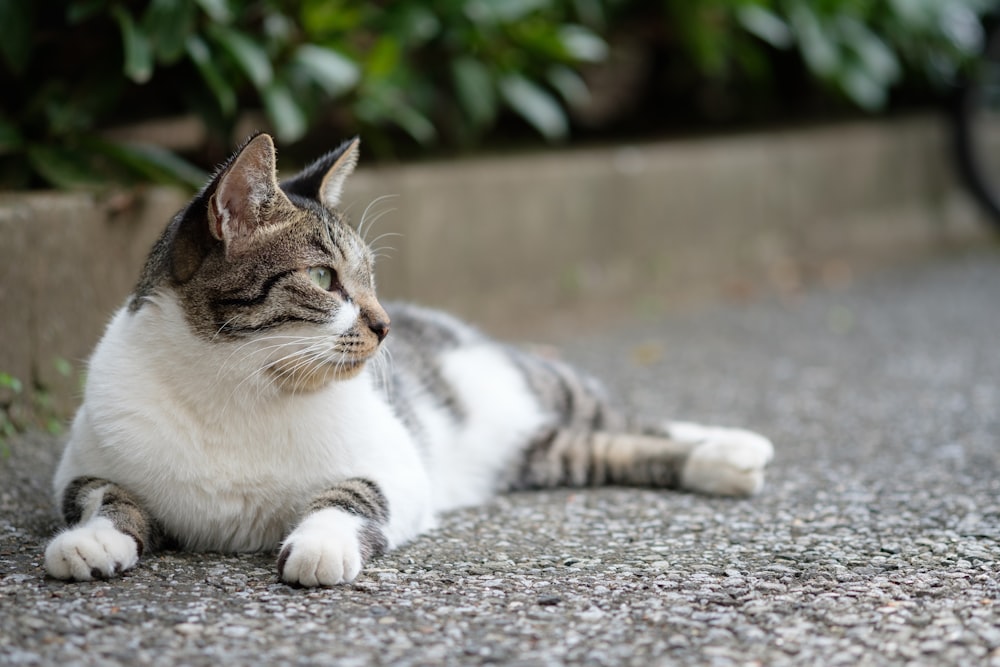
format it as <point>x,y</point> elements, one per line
<point>661,223</point>
<point>514,241</point>
<point>66,263</point>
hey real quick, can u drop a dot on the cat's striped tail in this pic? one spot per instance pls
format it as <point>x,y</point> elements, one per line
<point>592,443</point>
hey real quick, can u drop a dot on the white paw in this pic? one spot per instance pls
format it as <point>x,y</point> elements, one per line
<point>95,550</point>
<point>724,461</point>
<point>324,550</point>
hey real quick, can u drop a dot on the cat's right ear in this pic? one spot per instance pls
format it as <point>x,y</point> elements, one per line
<point>246,193</point>
<point>323,180</point>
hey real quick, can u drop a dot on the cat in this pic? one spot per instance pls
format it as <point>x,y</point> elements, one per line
<point>248,396</point>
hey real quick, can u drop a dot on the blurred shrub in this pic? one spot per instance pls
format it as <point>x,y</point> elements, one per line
<point>443,71</point>
<point>432,69</point>
<point>861,47</point>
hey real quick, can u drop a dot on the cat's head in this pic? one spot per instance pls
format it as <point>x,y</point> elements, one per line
<point>274,268</point>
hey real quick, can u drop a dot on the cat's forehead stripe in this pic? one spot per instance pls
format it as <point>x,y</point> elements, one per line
<point>324,246</point>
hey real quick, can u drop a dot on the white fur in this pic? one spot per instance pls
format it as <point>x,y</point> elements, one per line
<point>333,183</point>
<point>94,547</point>
<point>724,461</point>
<point>501,415</point>
<point>324,549</point>
<point>347,315</point>
<point>224,462</point>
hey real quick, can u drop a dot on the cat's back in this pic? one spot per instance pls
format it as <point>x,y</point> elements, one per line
<point>421,328</point>
<point>416,354</point>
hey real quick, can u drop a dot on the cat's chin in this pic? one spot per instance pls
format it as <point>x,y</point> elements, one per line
<point>313,378</point>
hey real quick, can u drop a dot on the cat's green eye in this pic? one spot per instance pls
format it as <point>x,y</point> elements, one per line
<point>322,276</point>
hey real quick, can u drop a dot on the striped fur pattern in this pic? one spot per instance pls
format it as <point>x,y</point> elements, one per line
<point>90,496</point>
<point>363,498</point>
<point>584,438</point>
<point>247,397</point>
<point>121,527</point>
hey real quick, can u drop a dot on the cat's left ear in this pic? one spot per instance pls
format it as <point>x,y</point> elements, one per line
<point>323,180</point>
<point>246,195</point>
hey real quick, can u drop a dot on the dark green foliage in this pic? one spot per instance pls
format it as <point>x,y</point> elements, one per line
<point>440,72</point>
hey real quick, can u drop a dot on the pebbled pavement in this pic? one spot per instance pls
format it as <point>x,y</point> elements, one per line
<point>876,541</point>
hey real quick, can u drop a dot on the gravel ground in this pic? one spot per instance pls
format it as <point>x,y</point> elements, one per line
<point>876,541</point>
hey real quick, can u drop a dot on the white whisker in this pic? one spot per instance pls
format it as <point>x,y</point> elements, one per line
<point>381,251</point>
<point>224,325</point>
<point>382,236</point>
<point>290,341</point>
<point>302,345</point>
<point>382,366</point>
<point>364,215</point>
<point>374,219</point>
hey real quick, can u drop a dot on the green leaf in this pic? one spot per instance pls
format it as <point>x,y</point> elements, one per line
<point>217,10</point>
<point>535,105</point>
<point>168,24</point>
<point>874,54</point>
<point>569,85</point>
<point>583,44</point>
<point>384,58</point>
<point>766,25</point>
<point>474,89</point>
<point>152,162</point>
<point>863,89</point>
<point>248,54</point>
<point>290,122</point>
<point>201,56</point>
<point>63,167</point>
<point>962,28</point>
<point>501,11</point>
<point>8,381</point>
<point>414,123</point>
<point>54,426</point>
<point>334,73</point>
<point>81,10</point>
<point>63,367</point>
<point>17,19</point>
<point>178,169</point>
<point>414,24</point>
<point>138,50</point>
<point>278,28</point>
<point>379,106</point>
<point>820,52</point>
<point>322,17</point>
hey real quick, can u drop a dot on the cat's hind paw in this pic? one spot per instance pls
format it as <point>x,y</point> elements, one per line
<point>324,550</point>
<point>724,461</point>
<point>95,550</point>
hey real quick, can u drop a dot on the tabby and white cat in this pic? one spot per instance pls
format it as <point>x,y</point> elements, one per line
<point>246,398</point>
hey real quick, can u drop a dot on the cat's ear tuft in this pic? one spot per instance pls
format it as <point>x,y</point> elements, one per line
<point>246,193</point>
<point>323,180</point>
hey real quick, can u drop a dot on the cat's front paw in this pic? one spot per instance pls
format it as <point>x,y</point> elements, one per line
<point>324,550</point>
<point>95,550</point>
<point>724,461</point>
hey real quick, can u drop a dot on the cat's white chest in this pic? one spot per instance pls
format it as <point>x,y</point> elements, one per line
<point>234,484</point>
<point>219,465</point>
<point>240,485</point>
